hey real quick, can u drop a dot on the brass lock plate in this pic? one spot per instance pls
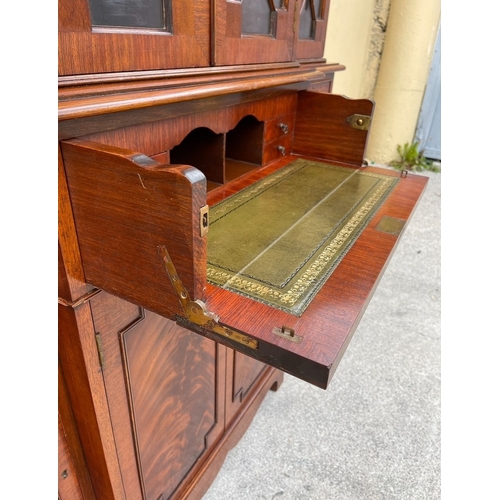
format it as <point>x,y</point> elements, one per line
<point>204,221</point>
<point>391,225</point>
<point>287,333</point>
<point>359,122</point>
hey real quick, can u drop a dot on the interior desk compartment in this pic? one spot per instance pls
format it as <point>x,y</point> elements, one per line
<point>144,230</point>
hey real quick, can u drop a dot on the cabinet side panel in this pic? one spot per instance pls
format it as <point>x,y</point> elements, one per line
<point>68,486</point>
<point>80,365</point>
<point>73,480</point>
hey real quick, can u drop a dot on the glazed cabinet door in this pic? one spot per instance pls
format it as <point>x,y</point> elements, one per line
<point>103,36</point>
<point>253,31</point>
<point>311,29</point>
<point>165,392</point>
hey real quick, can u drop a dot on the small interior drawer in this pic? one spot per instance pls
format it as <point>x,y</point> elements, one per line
<point>278,127</point>
<point>279,147</point>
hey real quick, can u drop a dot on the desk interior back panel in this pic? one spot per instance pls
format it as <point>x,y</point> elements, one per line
<point>322,129</point>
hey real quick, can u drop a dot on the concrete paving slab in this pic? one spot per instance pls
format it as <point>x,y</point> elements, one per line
<point>375,433</point>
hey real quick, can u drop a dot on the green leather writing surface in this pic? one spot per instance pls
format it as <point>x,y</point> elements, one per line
<point>278,240</point>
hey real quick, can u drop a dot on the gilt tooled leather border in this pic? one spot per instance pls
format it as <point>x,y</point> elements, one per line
<point>295,298</point>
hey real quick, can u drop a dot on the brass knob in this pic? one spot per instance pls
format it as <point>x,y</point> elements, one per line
<point>284,128</point>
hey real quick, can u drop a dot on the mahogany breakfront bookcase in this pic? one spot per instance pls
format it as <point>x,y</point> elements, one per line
<point>168,109</point>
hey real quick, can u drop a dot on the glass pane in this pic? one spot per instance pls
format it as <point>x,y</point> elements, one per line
<point>130,13</point>
<point>317,8</point>
<point>256,17</point>
<point>308,18</point>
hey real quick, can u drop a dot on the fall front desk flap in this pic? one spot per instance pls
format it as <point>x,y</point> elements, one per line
<point>294,258</point>
<point>293,253</point>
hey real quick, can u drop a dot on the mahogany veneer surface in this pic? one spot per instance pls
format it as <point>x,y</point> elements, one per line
<point>126,205</point>
<point>328,323</point>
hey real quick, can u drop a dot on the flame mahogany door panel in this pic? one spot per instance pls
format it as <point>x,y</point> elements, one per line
<point>164,386</point>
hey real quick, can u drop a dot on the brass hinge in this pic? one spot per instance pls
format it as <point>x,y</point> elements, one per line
<point>391,225</point>
<point>196,311</point>
<point>359,122</point>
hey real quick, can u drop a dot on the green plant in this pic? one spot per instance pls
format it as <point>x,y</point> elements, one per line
<point>412,159</point>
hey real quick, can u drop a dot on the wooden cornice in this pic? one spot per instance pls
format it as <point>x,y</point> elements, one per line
<point>99,95</point>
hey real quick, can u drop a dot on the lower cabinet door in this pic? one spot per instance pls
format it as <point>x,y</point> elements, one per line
<point>243,374</point>
<point>165,394</point>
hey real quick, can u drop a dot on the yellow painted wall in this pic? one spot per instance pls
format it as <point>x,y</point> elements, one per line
<point>348,41</point>
<point>400,83</point>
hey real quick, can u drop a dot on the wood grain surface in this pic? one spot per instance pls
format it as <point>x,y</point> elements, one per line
<point>126,205</point>
<point>83,49</point>
<point>329,322</point>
